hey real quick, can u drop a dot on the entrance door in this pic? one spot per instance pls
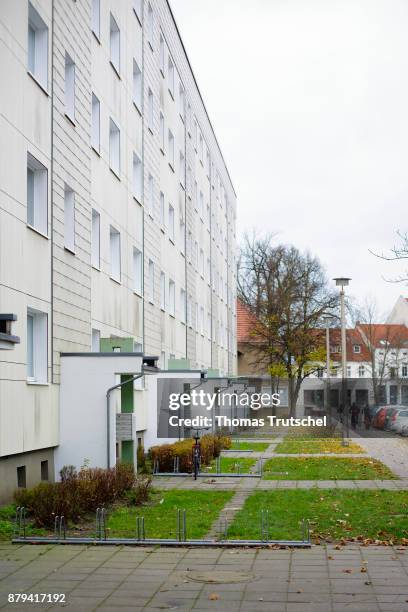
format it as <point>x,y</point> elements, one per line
<point>361,397</point>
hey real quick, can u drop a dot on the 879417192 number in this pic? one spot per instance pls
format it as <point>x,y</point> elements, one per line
<point>36,598</point>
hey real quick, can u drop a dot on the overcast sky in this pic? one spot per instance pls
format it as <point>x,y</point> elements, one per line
<point>309,101</point>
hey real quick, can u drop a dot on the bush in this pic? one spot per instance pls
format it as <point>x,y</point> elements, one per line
<point>140,491</point>
<point>77,493</point>
<point>211,447</point>
<point>141,460</point>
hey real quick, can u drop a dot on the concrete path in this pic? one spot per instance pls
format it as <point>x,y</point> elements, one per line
<point>112,579</point>
<point>388,448</point>
<point>251,484</point>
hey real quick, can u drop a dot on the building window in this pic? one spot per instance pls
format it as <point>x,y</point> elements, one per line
<point>348,371</point>
<point>182,101</point>
<point>37,47</point>
<point>96,123</point>
<point>202,263</point>
<point>161,54</point>
<point>162,291</point>
<point>114,242</point>
<point>150,25</point>
<point>404,371</point>
<point>202,320</point>
<point>201,205</point>
<point>189,313</point>
<point>44,470</point>
<point>96,340</point>
<point>172,296</point>
<point>69,219</point>
<point>151,281</point>
<point>161,132</point>
<point>95,239</point>
<point>96,18</point>
<point>182,230</point>
<point>138,8</point>
<point>150,110</point>
<point>37,195</point>
<point>171,222</point>
<point>114,147</point>
<point>162,209</point>
<point>170,76</point>
<point>137,271</point>
<point>137,177</point>
<point>201,148</point>
<point>182,305</point>
<point>37,352</point>
<point>21,477</point>
<point>137,86</point>
<point>356,348</point>
<point>361,371</point>
<point>171,148</point>
<point>69,87</point>
<point>150,187</point>
<point>114,44</point>
<point>182,169</point>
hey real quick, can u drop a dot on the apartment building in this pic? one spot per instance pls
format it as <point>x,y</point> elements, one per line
<point>117,211</point>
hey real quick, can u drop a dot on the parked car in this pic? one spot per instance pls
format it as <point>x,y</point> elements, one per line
<point>399,420</point>
<point>389,416</point>
<point>404,430</point>
<point>379,417</point>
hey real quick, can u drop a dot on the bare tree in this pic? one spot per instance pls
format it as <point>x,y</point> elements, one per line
<point>288,295</point>
<point>397,252</point>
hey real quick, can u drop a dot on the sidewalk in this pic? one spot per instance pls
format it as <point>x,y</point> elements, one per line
<point>322,579</point>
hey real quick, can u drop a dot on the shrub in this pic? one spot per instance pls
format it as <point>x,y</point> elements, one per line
<point>141,460</point>
<point>140,492</point>
<point>77,493</point>
<point>211,446</point>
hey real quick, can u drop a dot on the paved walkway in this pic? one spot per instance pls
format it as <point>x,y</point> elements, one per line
<point>112,579</point>
<point>251,484</point>
<point>388,448</point>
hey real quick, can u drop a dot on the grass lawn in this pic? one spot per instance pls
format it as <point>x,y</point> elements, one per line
<point>326,468</point>
<point>231,465</point>
<point>202,508</point>
<point>322,445</point>
<point>7,518</point>
<point>253,446</point>
<point>332,514</point>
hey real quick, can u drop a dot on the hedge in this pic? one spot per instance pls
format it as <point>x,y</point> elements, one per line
<point>211,446</point>
<point>81,492</point>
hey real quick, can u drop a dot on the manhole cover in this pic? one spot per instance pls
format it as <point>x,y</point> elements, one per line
<point>221,577</point>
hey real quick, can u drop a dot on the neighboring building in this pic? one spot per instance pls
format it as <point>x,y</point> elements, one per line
<point>117,215</point>
<point>399,313</point>
<point>378,351</point>
<point>249,361</point>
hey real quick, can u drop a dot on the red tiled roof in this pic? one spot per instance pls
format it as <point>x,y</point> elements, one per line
<point>246,323</point>
<point>379,334</point>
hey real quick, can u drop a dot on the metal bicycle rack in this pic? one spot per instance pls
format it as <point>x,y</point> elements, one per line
<point>101,533</point>
<point>216,474</point>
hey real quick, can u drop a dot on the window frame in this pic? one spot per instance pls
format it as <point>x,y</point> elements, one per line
<point>114,41</point>
<point>40,173</point>
<point>38,51</point>
<point>69,219</point>
<point>39,347</point>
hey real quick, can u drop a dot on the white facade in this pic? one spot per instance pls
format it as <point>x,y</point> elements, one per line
<point>399,313</point>
<point>117,212</point>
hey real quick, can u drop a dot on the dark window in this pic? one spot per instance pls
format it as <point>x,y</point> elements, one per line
<point>44,470</point>
<point>21,476</point>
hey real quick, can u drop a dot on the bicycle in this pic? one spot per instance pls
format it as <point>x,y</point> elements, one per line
<point>196,450</point>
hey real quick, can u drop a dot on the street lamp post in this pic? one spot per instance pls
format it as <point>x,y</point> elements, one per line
<point>328,406</point>
<point>343,282</point>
